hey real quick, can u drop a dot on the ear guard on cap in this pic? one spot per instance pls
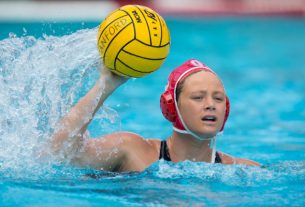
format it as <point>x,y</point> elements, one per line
<point>167,105</point>
<point>227,113</point>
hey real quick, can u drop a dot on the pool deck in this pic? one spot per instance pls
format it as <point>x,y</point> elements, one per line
<point>97,10</point>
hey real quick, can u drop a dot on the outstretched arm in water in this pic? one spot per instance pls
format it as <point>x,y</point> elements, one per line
<point>69,141</point>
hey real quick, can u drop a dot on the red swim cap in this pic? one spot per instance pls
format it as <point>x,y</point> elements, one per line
<point>168,101</point>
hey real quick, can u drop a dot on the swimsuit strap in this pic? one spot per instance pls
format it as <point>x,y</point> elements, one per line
<point>164,151</point>
<point>217,158</point>
<point>164,154</point>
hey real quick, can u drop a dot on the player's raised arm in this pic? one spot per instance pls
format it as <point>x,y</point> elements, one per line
<point>68,137</point>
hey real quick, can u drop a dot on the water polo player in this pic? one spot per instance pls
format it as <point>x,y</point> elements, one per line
<point>194,101</point>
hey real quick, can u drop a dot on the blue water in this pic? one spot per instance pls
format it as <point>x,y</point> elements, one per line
<point>46,68</point>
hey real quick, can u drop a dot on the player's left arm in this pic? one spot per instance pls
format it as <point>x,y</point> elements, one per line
<point>229,159</point>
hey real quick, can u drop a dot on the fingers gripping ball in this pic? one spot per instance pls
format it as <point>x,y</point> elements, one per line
<point>133,41</point>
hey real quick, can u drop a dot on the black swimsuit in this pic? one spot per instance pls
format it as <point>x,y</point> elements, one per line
<point>164,154</point>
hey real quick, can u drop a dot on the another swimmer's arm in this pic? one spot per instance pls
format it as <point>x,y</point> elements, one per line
<point>69,136</point>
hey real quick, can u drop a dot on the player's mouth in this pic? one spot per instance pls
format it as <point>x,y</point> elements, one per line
<point>209,118</point>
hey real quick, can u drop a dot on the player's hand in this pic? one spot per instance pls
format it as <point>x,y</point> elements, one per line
<point>111,78</point>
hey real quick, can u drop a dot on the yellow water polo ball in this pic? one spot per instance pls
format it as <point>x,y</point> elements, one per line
<point>133,41</point>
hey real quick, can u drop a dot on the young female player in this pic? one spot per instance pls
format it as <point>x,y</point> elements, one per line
<point>195,102</point>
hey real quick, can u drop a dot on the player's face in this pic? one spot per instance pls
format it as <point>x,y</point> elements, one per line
<point>202,103</point>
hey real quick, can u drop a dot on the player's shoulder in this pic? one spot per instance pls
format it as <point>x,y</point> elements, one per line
<point>127,136</point>
<point>130,139</point>
<point>229,159</point>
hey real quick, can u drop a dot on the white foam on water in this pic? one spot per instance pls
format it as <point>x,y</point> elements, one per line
<point>40,79</point>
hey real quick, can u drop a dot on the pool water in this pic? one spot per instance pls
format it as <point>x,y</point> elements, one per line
<point>46,68</point>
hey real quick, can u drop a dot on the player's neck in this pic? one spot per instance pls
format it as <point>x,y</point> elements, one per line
<point>186,147</point>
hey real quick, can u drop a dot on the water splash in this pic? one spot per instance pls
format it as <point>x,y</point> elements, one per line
<point>40,79</point>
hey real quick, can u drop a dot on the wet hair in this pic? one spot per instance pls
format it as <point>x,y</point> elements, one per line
<point>179,89</point>
<point>180,86</point>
